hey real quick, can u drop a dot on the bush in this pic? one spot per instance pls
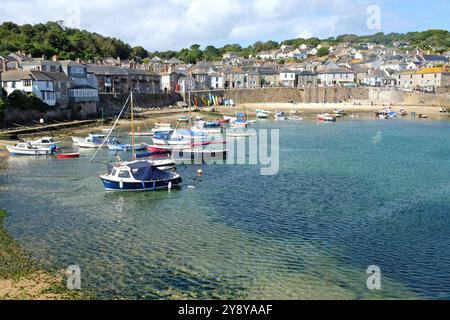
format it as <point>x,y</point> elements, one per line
<point>22,101</point>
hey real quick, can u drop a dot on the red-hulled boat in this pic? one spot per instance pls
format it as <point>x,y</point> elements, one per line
<point>67,155</point>
<point>151,148</point>
<point>224,121</point>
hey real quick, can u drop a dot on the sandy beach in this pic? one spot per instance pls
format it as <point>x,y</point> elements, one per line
<point>316,108</point>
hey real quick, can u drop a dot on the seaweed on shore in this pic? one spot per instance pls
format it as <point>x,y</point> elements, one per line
<point>22,278</point>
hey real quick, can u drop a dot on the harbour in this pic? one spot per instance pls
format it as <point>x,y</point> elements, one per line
<point>309,231</point>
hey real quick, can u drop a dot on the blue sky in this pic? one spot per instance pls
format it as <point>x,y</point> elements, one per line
<point>174,24</point>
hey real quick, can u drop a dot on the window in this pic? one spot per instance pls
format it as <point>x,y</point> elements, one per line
<point>47,84</point>
<point>124,174</point>
<point>114,172</point>
<point>27,83</point>
<point>13,84</point>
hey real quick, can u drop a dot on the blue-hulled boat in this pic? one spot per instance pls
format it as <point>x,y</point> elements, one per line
<point>139,175</point>
<point>115,145</point>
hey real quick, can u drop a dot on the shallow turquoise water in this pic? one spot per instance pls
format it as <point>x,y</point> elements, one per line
<point>348,195</point>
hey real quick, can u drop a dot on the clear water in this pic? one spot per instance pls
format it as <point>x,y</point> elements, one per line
<point>348,195</point>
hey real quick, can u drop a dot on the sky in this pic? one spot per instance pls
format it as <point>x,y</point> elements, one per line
<point>176,24</point>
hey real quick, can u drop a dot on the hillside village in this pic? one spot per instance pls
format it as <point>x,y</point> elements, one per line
<point>64,82</point>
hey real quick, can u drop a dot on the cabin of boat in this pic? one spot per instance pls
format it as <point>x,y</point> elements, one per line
<point>44,142</point>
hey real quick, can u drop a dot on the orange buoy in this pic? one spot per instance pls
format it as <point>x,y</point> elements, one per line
<point>200,172</point>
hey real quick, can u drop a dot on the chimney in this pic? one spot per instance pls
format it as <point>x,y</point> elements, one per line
<point>44,57</point>
<point>55,58</point>
<point>78,60</point>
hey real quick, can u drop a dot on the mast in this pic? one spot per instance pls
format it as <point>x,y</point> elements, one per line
<point>190,119</point>
<point>133,155</point>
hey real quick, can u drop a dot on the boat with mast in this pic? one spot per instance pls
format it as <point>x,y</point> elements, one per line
<point>136,175</point>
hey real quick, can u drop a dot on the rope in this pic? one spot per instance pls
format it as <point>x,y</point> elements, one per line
<point>110,132</point>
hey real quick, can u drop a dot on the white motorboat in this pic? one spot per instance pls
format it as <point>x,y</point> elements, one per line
<point>164,164</point>
<point>26,149</point>
<point>326,117</point>
<point>93,141</point>
<point>295,118</point>
<point>280,116</point>
<point>44,142</point>
<point>262,114</point>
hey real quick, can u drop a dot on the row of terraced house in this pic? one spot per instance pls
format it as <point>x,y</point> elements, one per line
<point>64,82</point>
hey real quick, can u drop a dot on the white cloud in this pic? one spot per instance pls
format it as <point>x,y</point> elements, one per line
<point>174,24</point>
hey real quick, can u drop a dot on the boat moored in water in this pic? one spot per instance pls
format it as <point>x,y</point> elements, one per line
<point>280,116</point>
<point>139,175</point>
<point>326,117</point>
<point>26,149</point>
<point>115,145</point>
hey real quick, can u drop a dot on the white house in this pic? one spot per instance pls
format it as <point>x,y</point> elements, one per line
<point>313,52</point>
<point>335,77</point>
<point>303,46</point>
<point>216,80</point>
<point>287,78</point>
<point>37,82</point>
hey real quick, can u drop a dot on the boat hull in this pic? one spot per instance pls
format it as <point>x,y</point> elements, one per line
<point>111,185</point>
<point>28,152</point>
<point>68,155</point>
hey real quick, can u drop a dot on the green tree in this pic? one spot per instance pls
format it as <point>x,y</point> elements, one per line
<point>323,52</point>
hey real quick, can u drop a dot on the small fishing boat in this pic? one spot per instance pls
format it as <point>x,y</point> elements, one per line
<point>241,121</point>
<point>91,137</point>
<point>295,118</point>
<point>164,164</point>
<point>45,142</point>
<point>423,116</point>
<point>183,119</point>
<point>338,113</point>
<point>26,149</point>
<point>76,140</point>
<point>223,121</point>
<point>354,115</point>
<point>403,112</point>
<point>229,119</point>
<point>139,175</point>
<point>162,128</point>
<point>93,141</point>
<point>262,114</point>
<point>280,116</point>
<point>251,122</point>
<point>154,148</point>
<point>392,115</point>
<point>115,145</point>
<point>67,155</point>
<point>326,117</point>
